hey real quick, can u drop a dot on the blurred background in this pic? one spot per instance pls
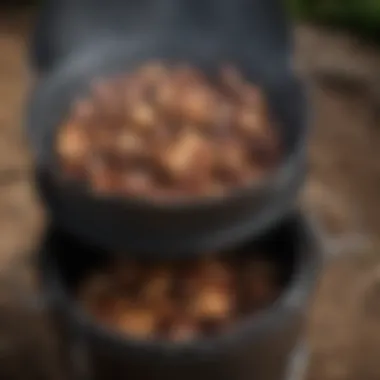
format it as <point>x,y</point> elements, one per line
<point>338,55</point>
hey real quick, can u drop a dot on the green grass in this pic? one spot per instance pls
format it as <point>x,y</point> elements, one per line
<point>359,16</point>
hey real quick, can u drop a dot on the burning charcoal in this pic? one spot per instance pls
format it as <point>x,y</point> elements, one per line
<point>152,73</point>
<point>143,117</point>
<point>166,98</point>
<point>157,286</point>
<point>183,331</point>
<point>212,303</point>
<point>73,145</point>
<point>137,322</point>
<point>192,135</point>
<point>248,121</point>
<point>232,162</point>
<point>179,302</point>
<point>137,182</point>
<point>188,159</point>
<point>102,179</point>
<point>198,106</point>
<point>128,144</point>
<point>213,272</point>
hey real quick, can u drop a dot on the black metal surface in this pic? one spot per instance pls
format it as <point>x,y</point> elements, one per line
<point>259,348</point>
<point>77,40</point>
<point>66,26</point>
<point>196,225</point>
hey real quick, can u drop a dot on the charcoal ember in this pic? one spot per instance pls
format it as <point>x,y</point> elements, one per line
<point>183,331</point>
<point>188,160</point>
<point>178,302</point>
<point>171,131</point>
<point>137,322</point>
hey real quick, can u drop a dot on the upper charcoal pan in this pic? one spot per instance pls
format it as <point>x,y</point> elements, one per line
<point>194,226</point>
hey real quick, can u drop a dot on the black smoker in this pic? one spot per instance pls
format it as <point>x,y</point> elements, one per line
<point>76,41</point>
<point>266,346</point>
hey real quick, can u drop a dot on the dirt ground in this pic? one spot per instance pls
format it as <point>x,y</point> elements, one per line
<point>342,192</point>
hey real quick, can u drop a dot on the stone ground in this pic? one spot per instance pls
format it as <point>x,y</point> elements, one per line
<point>342,191</point>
